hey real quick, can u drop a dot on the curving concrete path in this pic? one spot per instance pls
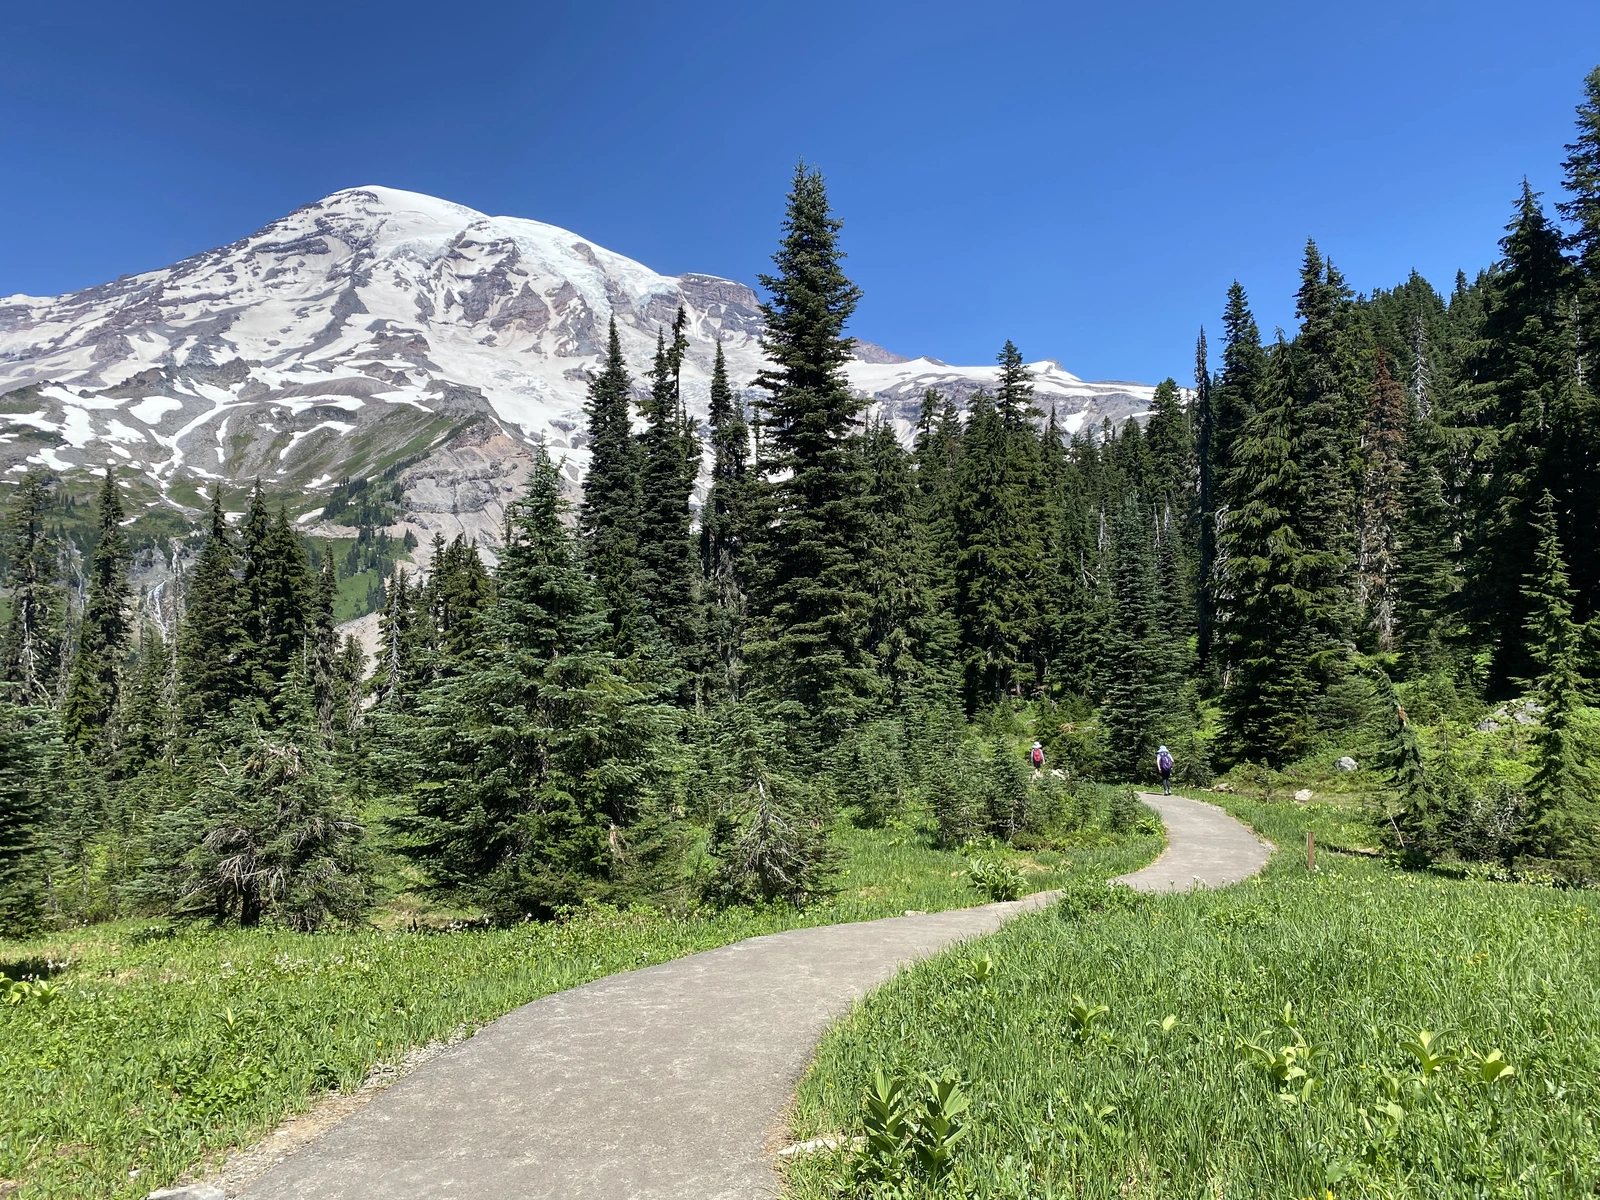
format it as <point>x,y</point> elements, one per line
<point>1205,848</point>
<point>667,1082</point>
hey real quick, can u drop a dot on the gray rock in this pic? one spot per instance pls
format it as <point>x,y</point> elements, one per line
<point>1487,725</point>
<point>190,1191</point>
<point>1346,763</point>
<point>1526,712</point>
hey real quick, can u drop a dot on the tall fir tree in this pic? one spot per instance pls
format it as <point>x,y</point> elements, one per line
<point>669,454</point>
<point>1424,573</point>
<point>95,683</point>
<point>1234,400</point>
<point>280,591</point>
<point>1564,817</point>
<point>810,599</point>
<point>1206,479</point>
<point>530,779</point>
<point>32,649</point>
<point>147,701</point>
<point>1272,574</point>
<point>1382,504</point>
<point>459,594</point>
<point>1141,684</point>
<point>1582,211</point>
<point>1169,434</point>
<point>324,635</point>
<point>909,634</point>
<point>25,736</point>
<point>1327,388</point>
<point>608,519</point>
<point>725,533</point>
<point>1521,369</point>
<point>999,556</point>
<point>400,672</point>
<point>213,649</point>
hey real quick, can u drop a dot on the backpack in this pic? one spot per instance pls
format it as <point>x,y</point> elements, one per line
<point>1164,761</point>
<point>1038,757</point>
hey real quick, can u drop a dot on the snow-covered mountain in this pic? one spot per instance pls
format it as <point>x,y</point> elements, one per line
<point>381,330</point>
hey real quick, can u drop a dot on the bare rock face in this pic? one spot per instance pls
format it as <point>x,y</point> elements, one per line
<point>464,489</point>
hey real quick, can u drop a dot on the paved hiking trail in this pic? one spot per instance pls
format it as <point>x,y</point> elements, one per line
<point>670,1081</point>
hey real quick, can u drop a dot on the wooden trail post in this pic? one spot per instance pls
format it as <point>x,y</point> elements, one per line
<point>1311,851</point>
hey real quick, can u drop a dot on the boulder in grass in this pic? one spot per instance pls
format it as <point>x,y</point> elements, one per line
<point>1346,764</point>
<point>192,1191</point>
<point>1303,795</point>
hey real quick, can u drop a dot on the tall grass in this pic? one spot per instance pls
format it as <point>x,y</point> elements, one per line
<point>1191,1083</point>
<point>160,1045</point>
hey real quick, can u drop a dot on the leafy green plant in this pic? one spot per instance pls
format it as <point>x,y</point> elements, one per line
<point>1427,1048</point>
<point>1081,1018</point>
<point>999,879</point>
<point>909,1135</point>
<point>982,971</point>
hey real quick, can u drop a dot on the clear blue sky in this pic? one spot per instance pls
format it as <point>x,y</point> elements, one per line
<point>1083,178</point>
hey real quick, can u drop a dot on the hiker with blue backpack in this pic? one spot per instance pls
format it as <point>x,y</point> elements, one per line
<point>1164,766</point>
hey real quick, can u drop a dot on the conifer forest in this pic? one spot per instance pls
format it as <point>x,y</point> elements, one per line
<point>1373,531</point>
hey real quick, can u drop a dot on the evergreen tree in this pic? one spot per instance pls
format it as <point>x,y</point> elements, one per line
<point>325,645</point>
<point>24,737</point>
<point>281,591</point>
<point>459,596</point>
<point>1206,498</point>
<point>1130,453</point>
<point>669,462</point>
<point>770,833</point>
<point>1415,826</point>
<point>608,519</point>
<point>1170,438</point>
<point>1326,388</point>
<point>213,647</point>
<point>908,633</point>
<point>809,597</point>
<point>94,686</point>
<point>1564,821</point>
<point>530,779</point>
<point>1382,499</point>
<point>935,452</point>
<point>349,673</point>
<point>1424,570</point>
<point>1140,683</point>
<point>725,532</point>
<point>1582,210</point>
<point>400,672</point>
<point>270,832</point>
<point>147,705</point>
<point>1271,580</point>
<point>32,650</point>
<point>999,556</point>
<point>1520,369</point>
<point>1235,398</point>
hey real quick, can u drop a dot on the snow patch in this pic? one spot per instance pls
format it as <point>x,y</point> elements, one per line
<point>151,411</point>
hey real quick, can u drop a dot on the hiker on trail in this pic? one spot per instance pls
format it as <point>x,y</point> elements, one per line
<point>1036,756</point>
<point>1164,766</point>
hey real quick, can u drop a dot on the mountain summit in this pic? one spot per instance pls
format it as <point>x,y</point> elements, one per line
<point>382,330</point>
